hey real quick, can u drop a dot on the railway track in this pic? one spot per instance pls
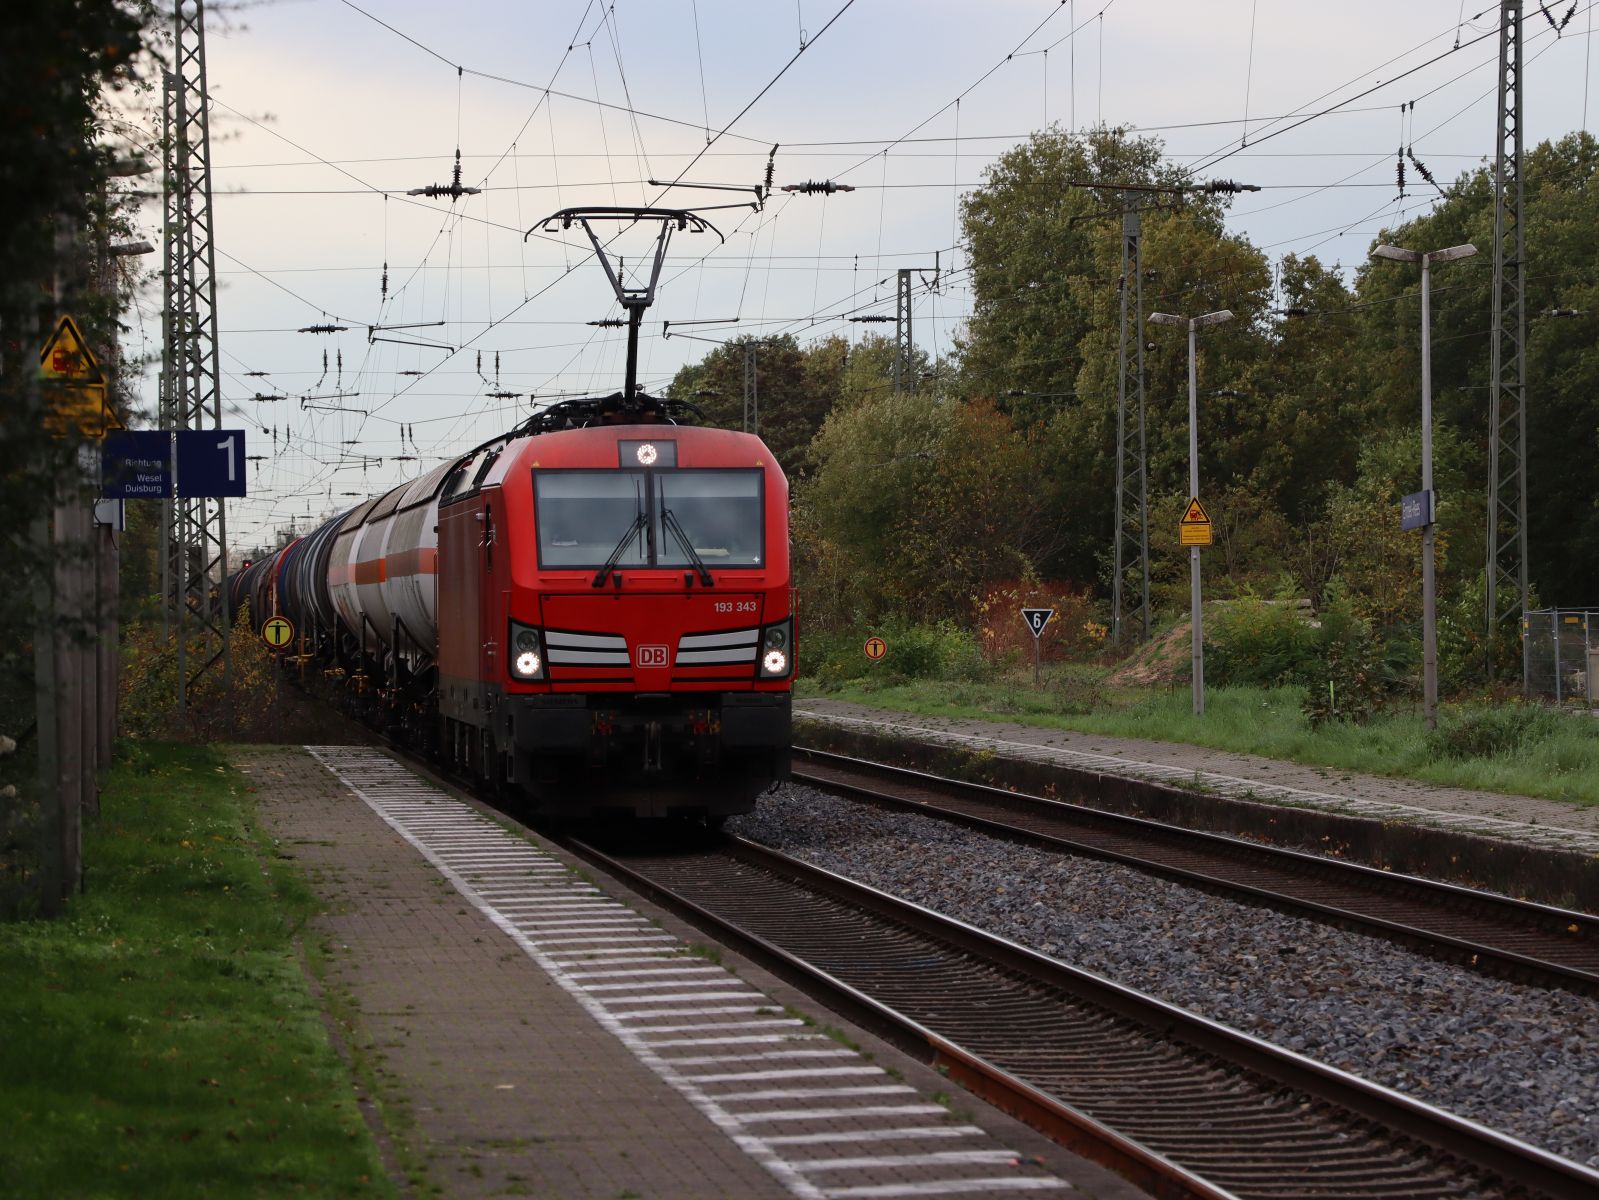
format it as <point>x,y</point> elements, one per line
<point>1177,1103</point>
<point>1514,939</point>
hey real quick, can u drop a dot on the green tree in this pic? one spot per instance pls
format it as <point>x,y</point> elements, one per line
<point>789,405</point>
<point>1562,274</point>
<point>913,505</point>
<point>58,58</point>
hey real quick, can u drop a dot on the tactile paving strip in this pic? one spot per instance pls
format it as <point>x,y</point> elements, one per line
<point>816,1114</point>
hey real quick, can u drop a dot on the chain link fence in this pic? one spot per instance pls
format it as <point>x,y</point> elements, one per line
<point>1560,652</point>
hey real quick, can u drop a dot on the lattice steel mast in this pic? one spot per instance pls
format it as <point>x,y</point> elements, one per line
<point>1506,573</point>
<point>195,572</point>
<point>904,342</point>
<point>1132,491</point>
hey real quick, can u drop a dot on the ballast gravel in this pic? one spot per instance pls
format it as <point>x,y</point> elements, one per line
<point>1519,1059</point>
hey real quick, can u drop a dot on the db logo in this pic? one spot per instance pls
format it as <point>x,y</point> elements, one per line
<point>651,656</point>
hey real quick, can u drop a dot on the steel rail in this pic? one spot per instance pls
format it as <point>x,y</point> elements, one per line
<point>1512,938</point>
<point>1246,1117</point>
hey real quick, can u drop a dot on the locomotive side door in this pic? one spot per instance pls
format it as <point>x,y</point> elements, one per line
<point>490,559</point>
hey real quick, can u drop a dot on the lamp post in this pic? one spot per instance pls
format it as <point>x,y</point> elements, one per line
<point>1429,587</point>
<point>1196,617</point>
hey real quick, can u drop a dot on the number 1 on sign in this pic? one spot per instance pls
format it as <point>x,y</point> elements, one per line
<point>232,448</point>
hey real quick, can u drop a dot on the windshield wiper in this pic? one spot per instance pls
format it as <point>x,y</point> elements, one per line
<point>669,519</point>
<point>610,564</point>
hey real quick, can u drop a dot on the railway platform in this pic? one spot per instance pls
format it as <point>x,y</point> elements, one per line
<point>1523,845</point>
<point>527,1028</point>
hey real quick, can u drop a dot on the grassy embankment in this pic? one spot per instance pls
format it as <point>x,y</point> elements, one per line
<point>1516,748</point>
<point>160,1039</point>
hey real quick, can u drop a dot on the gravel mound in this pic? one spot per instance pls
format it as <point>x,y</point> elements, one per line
<point>1519,1059</point>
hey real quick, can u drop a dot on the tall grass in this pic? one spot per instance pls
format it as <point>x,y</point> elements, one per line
<point>160,1040</point>
<point>1510,748</point>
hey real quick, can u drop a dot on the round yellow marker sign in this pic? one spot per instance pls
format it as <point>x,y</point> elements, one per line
<point>876,647</point>
<point>278,632</point>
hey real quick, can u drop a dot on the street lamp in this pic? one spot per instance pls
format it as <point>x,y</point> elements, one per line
<point>1196,617</point>
<point>1429,587</point>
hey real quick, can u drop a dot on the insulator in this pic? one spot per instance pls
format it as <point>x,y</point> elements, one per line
<point>812,187</point>
<point>385,288</point>
<point>1399,170</point>
<point>1229,187</point>
<point>1421,168</point>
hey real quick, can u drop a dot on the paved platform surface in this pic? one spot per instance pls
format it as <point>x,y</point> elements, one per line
<point>1525,819</point>
<point>517,1052</point>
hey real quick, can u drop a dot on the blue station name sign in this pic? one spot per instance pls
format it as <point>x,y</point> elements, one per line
<point>136,464</point>
<point>155,464</point>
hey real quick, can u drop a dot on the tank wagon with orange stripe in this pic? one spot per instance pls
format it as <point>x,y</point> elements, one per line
<point>594,611</point>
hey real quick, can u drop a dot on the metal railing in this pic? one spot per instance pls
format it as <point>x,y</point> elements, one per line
<point>1560,652</point>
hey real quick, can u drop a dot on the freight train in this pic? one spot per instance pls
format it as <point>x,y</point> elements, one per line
<point>593,612</point>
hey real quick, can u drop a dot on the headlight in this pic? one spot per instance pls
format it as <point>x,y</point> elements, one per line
<point>527,652</point>
<point>777,654</point>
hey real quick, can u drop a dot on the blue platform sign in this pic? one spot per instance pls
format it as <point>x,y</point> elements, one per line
<point>211,462</point>
<point>136,464</point>
<point>1415,511</point>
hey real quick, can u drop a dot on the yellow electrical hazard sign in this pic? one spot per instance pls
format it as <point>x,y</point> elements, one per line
<point>1194,528</point>
<point>73,383</point>
<point>278,632</point>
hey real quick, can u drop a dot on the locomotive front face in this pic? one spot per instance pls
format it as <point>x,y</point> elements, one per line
<point>632,618</point>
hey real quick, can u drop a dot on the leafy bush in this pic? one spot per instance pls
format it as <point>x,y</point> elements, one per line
<point>1494,732</point>
<point>1345,669</point>
<point>1258,643</point>
<point>147,700</point>
<point>942,651</point>
<point>1346,680</point>
<point>1075,631</point>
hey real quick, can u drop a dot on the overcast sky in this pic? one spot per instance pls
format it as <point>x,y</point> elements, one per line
<point>327,112</point>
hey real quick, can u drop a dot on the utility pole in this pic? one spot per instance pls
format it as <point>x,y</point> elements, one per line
<point>1506,568</point>
<point>1131,538</point>
<point>196,548</point>
<point>1132,492</point>
<point>752,399</point>
<point>1196,610</point>
<point>1429,589</point>
<point>58,857</point>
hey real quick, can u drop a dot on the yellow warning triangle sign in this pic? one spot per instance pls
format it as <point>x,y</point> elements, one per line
<point>1196,514</point>
<point>66,357</point>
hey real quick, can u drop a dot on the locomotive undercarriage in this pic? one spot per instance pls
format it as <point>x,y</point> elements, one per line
<point>695,755</point>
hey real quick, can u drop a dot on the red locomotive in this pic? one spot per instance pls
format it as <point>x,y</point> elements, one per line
<point>594,610</point>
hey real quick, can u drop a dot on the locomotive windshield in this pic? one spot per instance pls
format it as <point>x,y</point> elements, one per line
<point>719,511</point>
<point>582,513</point>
